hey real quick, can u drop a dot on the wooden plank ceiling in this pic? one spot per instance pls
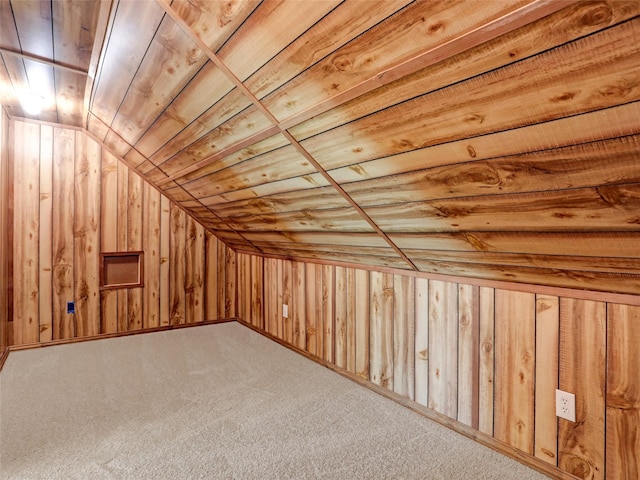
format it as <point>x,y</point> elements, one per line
<point>496,139</point>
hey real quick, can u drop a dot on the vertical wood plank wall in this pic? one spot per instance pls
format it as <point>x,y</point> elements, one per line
<point>5,228</point>
<point>73,200</point>
<point>488,358</point>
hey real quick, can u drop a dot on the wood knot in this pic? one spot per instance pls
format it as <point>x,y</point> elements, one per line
<point>472,151</point>
<point>565,97</point>
<point>435,27</point>
<point>548,453</point>
<point>597,15</point>
<point>474,118</point>
<point>342,63</point>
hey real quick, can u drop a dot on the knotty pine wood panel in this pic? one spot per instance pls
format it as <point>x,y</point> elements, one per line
<point>340,345</point>
<point>64,326</point>
<point>109,236</point>
<point>222,161</point>
<point>280,164</point>
<point>222,285</point>
<point>596,281</point>
<point>623,392</point>
<point>134,243</point>
<point>33,21</point>
<point>77,22</point>
<point>345,22</point>
<point>583,350</point>
<point>362,305</point>
<point>443,356</point>
<point>612,122</point>
<point>209,124</point>
<point>307,198</point>
<point>177,266</point>
<point>328,310</point>
<point>421,348</point>
<point>473,107</point>
<point>609,208</point>
<point>468,354</point>
<point>84,202</point>
<point>214,22</point>
<point>294,290</point>
<point>87,235</point>
<point>11,67</point>
<point>381,353</point>
<point>26,232</point>
<point>244,284</point>
<point>350,321</point>
<point>294,324</point>
<point>579,244</point>
<point>273,26</point>
<point>546,429</point>
<point>165,267</point>
<point>570,23</point>
<point>313,286</point>
<point>277,187</point>
<point>404,336</point>
<point>122,242</point>
<point>257,300</point>
<point>411,31</point>
<point>6,247</point>
<point>515,368</point>
<point>230,278</point>
<point>194,270</point>
<point>245,122</point>
<point>211,265</point>
<point>45,280</point>
<point>560,262</point>
<point>486,375</point>
<point>151,239</point>
<point>521,343</point>
<point>209,83</point>
<point>117,68</point>
<point>577,166</point>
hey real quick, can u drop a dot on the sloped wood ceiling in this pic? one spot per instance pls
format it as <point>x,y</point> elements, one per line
<point>493,139</point>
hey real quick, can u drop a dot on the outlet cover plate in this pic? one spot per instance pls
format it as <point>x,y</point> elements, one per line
<point>285,310</point>
<point>566,405</point>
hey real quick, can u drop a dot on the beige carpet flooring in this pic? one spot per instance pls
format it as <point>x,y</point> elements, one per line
<point>214,402</point>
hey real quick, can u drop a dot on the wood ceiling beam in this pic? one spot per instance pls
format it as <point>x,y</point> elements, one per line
<point>245,90</point>
<point>44,61</point>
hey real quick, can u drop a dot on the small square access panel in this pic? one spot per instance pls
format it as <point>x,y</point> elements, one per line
<point>121,270</point>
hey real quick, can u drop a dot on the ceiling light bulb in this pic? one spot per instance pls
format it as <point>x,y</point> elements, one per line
<point>32,104</point>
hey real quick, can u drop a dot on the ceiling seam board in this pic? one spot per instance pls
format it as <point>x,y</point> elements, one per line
<point>239,84</point>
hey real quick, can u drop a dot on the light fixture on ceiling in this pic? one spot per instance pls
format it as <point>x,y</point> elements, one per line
<point>32,103</point>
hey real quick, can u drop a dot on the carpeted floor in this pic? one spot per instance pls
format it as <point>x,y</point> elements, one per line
<point>212,402</point>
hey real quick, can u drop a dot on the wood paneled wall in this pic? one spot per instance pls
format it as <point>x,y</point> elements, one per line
<point>73,199</point>
<point>5,237</point>
<point>486,357</point>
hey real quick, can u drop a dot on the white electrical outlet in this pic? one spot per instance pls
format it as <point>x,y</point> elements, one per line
<point>566,405</point>
<point>285,310</point>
